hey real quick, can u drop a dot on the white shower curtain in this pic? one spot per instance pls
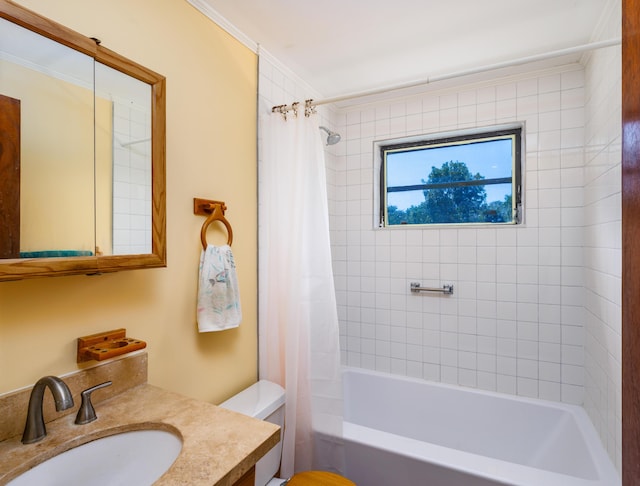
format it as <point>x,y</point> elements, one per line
<point>299,336</point>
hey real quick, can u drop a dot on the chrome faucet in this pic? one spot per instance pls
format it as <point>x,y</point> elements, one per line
<point>34,429</point>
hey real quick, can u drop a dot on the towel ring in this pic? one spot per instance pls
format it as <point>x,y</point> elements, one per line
<point>217,214</point>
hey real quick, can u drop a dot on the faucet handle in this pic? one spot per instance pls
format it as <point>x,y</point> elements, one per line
<point>86,412</point>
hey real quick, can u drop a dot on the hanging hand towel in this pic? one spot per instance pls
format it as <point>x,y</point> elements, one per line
<point>218,296</point>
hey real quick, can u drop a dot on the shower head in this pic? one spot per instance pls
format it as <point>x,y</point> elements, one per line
<point>332,137</point>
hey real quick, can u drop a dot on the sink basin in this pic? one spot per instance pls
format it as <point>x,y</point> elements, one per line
<point>137,457</point>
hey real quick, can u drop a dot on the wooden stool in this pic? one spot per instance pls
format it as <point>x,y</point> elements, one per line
<point>319,478</point>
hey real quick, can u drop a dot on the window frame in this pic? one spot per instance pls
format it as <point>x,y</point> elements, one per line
<point>452,138</point>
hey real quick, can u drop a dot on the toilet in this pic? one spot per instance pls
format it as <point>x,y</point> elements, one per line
<point>265,400</point>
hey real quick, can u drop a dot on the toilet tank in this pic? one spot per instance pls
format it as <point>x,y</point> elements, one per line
<point>263,400</point>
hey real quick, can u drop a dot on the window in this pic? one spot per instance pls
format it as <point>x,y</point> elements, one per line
<point>471,178</point>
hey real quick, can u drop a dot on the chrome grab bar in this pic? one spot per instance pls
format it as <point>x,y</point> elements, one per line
<point>446,289</point>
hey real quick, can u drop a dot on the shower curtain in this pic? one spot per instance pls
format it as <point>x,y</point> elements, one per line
<point>298,337</point>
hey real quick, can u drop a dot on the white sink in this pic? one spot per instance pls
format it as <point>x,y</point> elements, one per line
<point>137,457</point>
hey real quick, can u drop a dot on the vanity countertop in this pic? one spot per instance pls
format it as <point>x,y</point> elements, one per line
<point>219,446</point>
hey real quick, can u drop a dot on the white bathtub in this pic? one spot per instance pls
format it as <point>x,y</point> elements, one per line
<point>402,431</point>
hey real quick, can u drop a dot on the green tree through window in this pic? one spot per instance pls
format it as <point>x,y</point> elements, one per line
<point>452,192</point>
<point>455,203</point>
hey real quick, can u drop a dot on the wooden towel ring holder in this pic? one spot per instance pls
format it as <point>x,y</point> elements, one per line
<point>216,210</point>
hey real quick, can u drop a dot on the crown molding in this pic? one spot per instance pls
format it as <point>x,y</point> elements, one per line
<point>203,7</point>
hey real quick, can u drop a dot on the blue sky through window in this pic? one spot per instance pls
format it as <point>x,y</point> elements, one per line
<point>490,158</point>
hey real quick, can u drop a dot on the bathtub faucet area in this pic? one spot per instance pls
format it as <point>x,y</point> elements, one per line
<point>34,429</point>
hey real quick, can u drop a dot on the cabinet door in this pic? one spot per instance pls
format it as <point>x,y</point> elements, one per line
<point>9,177</point>
<point>248,479</point>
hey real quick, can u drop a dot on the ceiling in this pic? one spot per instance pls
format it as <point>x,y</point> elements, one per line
<point>348,46</point>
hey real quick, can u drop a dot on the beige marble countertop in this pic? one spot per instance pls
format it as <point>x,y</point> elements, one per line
<point>219,446</point>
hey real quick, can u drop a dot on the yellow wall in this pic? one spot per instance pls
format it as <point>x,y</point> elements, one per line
<point>211,153</point>
<point>56,139</point>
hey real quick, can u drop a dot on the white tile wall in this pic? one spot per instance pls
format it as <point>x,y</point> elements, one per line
<point>536,309</point>
<point>131,180</point>
<point>602,240</point>
<point>515,322</point>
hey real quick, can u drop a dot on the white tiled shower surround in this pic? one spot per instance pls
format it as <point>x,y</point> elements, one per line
<point>514,324</point>
<point>536,308</point>
<point>602,238</point>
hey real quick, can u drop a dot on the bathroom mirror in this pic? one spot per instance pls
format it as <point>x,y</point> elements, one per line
<point>82,153</point>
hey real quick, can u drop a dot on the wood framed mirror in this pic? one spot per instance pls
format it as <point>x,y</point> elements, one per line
<point>82,155</point>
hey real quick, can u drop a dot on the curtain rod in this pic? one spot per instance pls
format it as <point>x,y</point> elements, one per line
<point>490,67</point>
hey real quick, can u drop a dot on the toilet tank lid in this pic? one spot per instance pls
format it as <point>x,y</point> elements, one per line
<point>259,400</point>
